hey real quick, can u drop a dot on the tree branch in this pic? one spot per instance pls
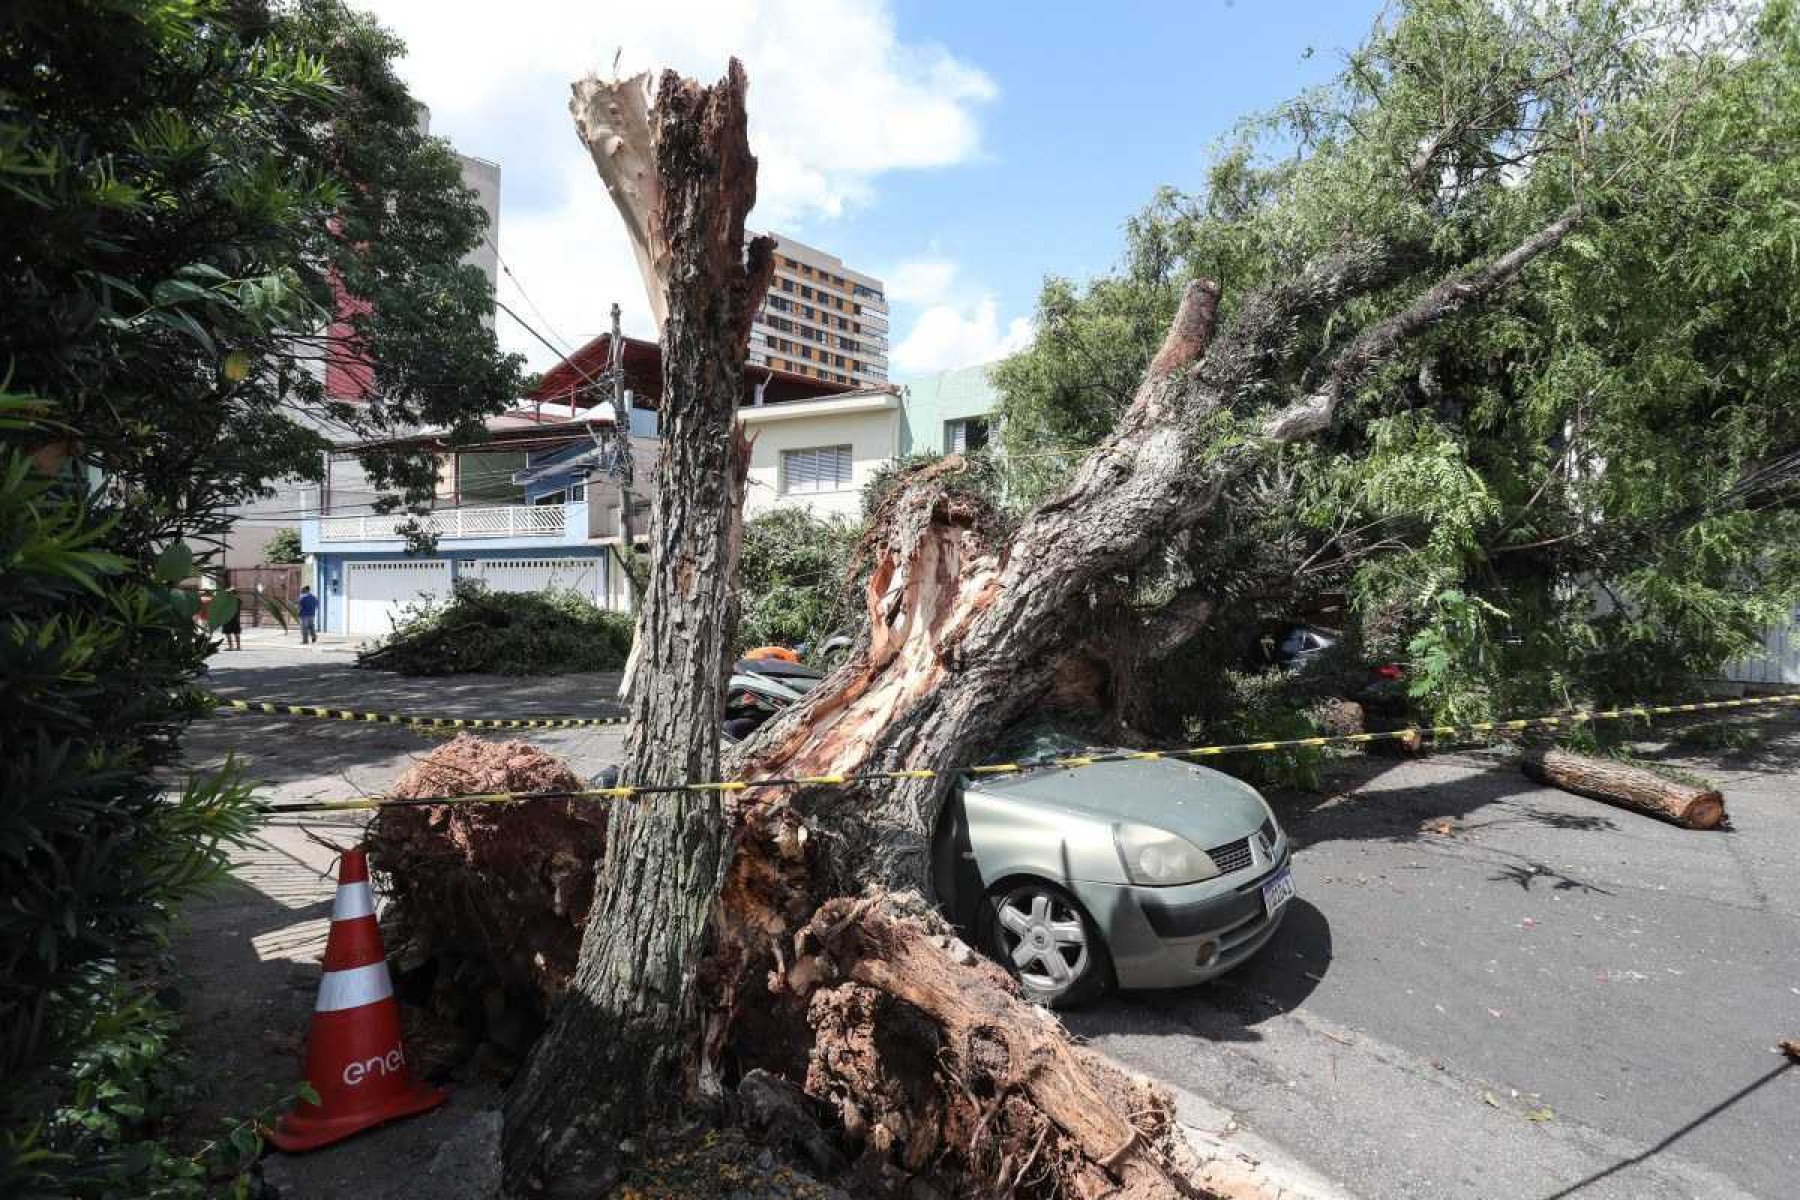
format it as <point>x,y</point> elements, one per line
<point>612,118</point>
<point>1378,342</point>
<point>1190,333</point>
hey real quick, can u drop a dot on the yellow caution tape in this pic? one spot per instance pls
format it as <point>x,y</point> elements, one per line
<point>340,714</point>
<point>1073,762</point>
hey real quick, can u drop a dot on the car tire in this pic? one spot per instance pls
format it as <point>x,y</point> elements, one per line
<point>1030,926</point>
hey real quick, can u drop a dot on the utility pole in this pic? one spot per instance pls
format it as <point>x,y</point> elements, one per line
<point>624,458</point>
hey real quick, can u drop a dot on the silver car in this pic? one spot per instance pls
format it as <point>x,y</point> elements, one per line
<point>1135,874</point>
<point>1151,874</point>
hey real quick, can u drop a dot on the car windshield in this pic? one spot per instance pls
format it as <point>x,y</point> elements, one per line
<point>1037,739</point>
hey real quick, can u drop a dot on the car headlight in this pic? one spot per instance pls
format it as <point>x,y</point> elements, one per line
<point>1270,831</point>
<point>1157,858</point>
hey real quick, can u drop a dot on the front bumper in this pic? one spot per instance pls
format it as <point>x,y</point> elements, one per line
<point>1174,937</point>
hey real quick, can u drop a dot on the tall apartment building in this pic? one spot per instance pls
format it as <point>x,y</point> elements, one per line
<point>821,319</point>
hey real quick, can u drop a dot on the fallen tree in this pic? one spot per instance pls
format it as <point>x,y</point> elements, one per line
<point>1621,784</point>
<point>785,930</point>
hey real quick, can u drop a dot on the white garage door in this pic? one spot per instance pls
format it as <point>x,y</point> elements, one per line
<point>582,575</point>
<point>374,592</point>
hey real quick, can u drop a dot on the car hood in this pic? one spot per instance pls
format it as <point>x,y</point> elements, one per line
<point>1206,807</point>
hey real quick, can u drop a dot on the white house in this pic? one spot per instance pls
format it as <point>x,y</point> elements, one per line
<point>819,453</point>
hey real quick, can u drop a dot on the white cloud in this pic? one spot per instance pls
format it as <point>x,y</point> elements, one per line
<point>921,281</point>
<point>837,98</point>
<point>947,336</point>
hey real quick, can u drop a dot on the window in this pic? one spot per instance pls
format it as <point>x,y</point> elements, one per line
<point>822,469</point>
<point>966,435</point>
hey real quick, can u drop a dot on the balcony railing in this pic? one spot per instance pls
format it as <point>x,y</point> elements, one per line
<point>517,520</point>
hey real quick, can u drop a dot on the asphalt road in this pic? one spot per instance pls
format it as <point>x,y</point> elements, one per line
<point>1554,999</point>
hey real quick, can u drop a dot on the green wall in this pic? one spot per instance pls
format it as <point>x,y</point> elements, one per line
<point>933,399</point>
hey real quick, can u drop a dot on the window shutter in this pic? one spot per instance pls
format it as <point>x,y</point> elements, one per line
<point>821,469</point>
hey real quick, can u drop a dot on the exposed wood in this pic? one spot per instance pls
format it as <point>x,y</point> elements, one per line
<point>1628,787</point>
<point>621,1048</point>
<point>934,1063</point>
<point>612,118</point>
<point>983,1048</point>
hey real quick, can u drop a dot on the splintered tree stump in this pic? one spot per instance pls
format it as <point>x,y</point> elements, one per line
<point>1628,787</point>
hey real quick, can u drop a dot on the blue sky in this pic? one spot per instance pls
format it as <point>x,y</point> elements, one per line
<point>959,151</point>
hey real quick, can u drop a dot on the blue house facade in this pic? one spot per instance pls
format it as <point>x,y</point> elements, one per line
<point>534,508</point>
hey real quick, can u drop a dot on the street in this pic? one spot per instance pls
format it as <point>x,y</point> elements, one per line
<point>1544,997</point>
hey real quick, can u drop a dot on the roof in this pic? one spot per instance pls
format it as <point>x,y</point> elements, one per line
<point>513,425</point>
<point>576,379</point>
<point>859,400</point>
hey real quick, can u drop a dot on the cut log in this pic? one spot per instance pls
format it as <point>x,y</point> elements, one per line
<point>1628,787</point>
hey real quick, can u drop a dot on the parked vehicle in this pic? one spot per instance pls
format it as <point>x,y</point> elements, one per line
<point>1150,874</point>
<point>1378,687</point>
<point>760,688</point>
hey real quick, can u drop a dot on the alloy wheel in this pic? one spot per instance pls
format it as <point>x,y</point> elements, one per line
<point>1044,937</point>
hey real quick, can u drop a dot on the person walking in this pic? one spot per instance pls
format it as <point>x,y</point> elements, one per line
<point>233,629</point>
<point>309,616</point>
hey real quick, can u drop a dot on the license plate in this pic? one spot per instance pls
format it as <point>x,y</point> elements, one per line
<point>1278,891</point>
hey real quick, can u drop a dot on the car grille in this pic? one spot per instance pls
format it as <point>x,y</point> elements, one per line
<point>1232,856</point>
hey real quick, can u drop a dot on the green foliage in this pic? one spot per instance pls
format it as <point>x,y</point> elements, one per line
<point>283,547</point>
<point>125,1090</point>
<point>173,225</point>
<point>97,659</point>
<point>479,631</point>
<point>183,183</point>
<point>1735,736</point>
<point>794,579</point>
<point>1588,491</point>
<point>1271,706</point>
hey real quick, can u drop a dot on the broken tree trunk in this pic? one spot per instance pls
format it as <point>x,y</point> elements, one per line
<point>619,1048</point>
<point>1628,787</point>
<point>968,628</point>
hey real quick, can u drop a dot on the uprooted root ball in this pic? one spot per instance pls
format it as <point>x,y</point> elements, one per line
<point>493,895</point>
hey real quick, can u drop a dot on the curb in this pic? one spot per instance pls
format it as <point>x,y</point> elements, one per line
<point>1236,1164</point>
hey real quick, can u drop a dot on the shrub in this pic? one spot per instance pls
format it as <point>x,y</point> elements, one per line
<point>793,579</point>
<point>98,656</point>
<point>480,631</point>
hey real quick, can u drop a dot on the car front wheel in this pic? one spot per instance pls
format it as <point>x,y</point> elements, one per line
<point>1039,932</point>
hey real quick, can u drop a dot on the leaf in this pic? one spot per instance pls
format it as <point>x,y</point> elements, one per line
<point>1542,1113</point>
<point>171,292</point>
<point>175,563</point>
<point>1491,1100</point>
<point>224,607</point>
<point>307,1094</point>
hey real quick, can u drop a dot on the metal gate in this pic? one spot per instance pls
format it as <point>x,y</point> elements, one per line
<point>1779,663</point>
<point>375,592</point>
<point>586,574</point>
<point>257,587</point>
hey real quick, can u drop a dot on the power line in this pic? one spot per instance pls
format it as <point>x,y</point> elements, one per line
<point>526,296</point>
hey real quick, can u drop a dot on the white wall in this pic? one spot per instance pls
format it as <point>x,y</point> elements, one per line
<point>869,425</point>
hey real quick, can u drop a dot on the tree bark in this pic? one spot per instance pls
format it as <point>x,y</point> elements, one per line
<point>619,1050</point>
<point>1628,787</point>
<point>967,630</point>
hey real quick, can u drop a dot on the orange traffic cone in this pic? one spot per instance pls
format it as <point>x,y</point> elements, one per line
<point>354,1059</point>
